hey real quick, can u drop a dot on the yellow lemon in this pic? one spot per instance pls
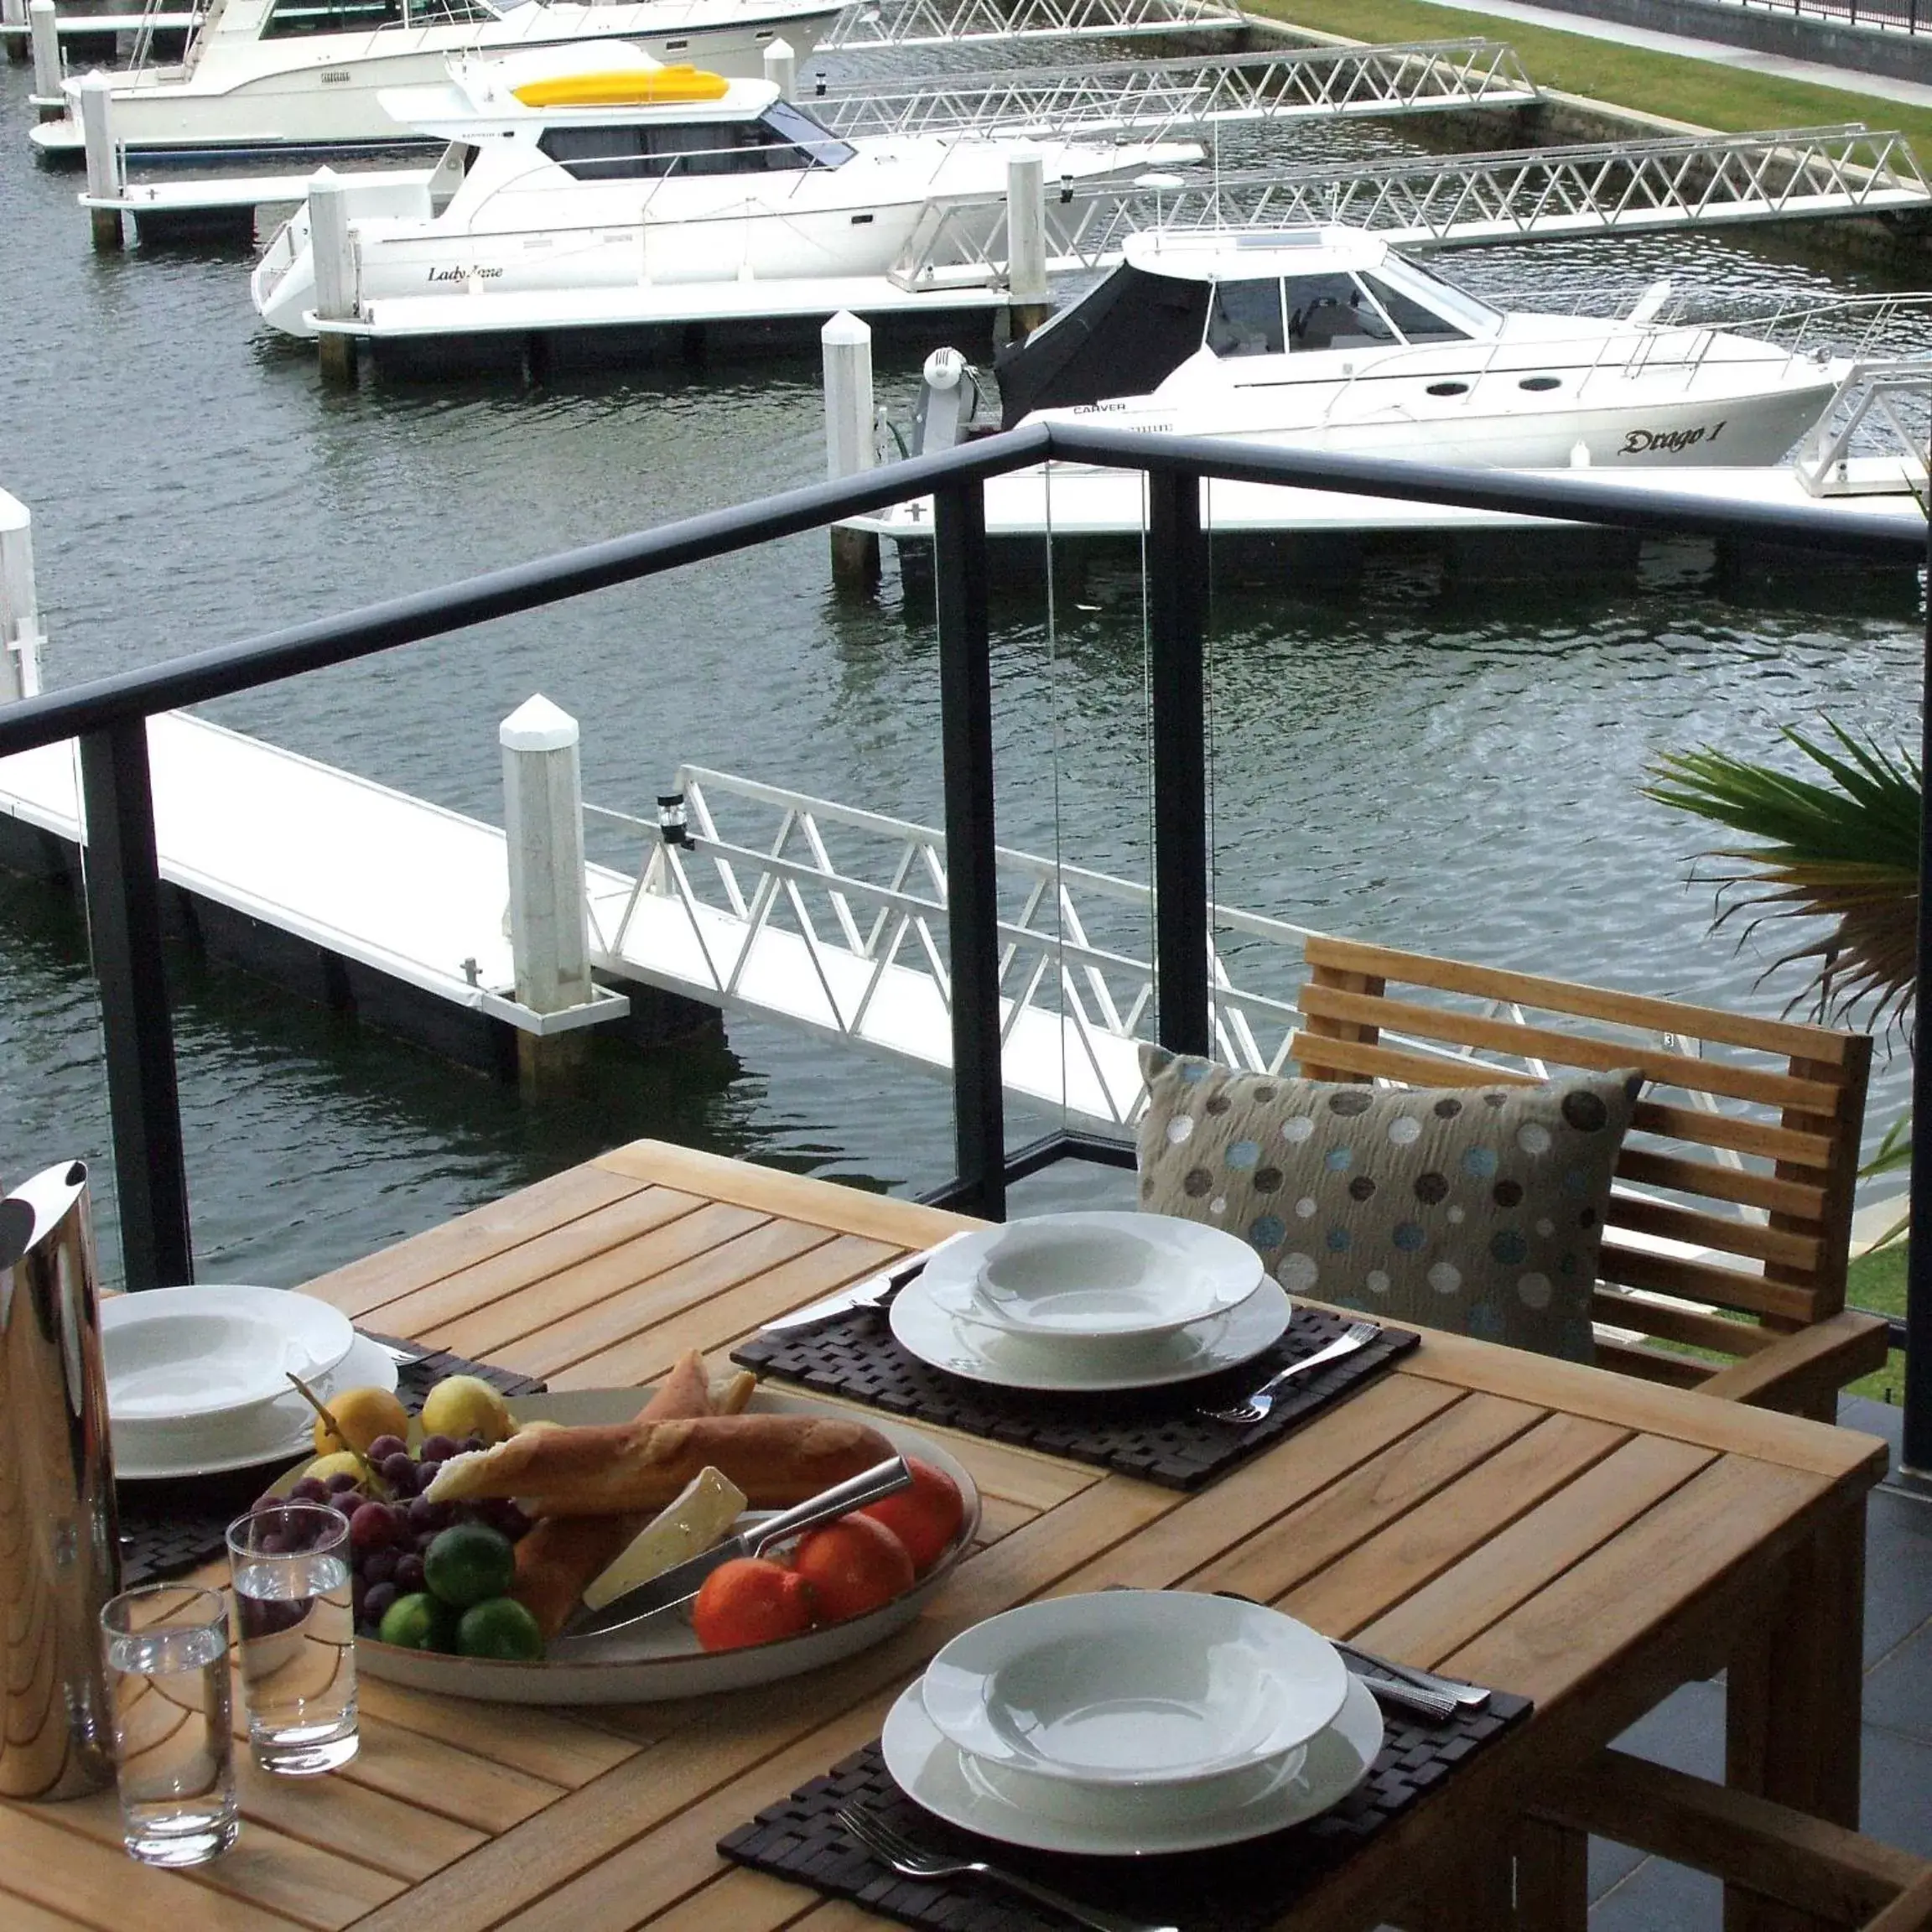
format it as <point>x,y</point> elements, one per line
<point>361,1415</point>
<point>460,1406</point>
<point>336,1462</point>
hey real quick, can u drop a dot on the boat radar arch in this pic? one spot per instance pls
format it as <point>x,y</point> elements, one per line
<point>1223,255</point>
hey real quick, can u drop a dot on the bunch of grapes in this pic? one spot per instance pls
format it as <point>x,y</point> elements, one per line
<point>389,1536</point>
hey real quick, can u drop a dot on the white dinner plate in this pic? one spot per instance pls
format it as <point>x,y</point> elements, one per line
<point>179,1360</point>
<point>1008,1361</point>
<point>274,1433</point>
<point>1100,1275</point>
<point>661,1659</point>
<point>935,1773</point>
<point>1134,1687</point>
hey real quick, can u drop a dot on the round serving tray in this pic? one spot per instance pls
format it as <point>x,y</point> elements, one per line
<point>666,1662</point>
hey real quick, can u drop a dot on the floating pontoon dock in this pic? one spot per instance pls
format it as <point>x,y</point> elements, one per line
<point>380,901</point>
<point>372,900</point>
<point>400,321</point>
<point>1072,503</point>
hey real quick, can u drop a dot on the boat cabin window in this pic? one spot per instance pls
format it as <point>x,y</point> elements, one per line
<point>639,153</point>
<point>1333,312</point>
<point>442,13</point>
<point>1417,323</point>
<point>289,18</point>
<point>1305,312</point>
<point>1244,319</point>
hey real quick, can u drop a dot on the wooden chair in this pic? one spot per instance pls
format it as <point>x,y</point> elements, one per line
<point>1911,1911</point>
<point>1832,1876</point>
<point>1722,1269</point>
<point>1729,1230</point>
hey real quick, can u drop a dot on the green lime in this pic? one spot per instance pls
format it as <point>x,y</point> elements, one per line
<point>499,1626</point>
<point>418,1622</point>
<point>469,1562</point>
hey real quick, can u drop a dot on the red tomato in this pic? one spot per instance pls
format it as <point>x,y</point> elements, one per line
<point>924,1518</point>
<point>852,1566</point>
<point>750,1600</point>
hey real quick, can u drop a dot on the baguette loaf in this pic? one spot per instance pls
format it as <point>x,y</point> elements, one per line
<point>776,1460</point>
<point>560,1557</point>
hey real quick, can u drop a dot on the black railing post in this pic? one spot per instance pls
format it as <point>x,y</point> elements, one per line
<point>1176,613</point>
<point>1917,1449</point>
<point>124,926</point>
<point>972,879</point>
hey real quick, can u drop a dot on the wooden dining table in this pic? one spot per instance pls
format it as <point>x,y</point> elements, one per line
<point>1585,1538</point>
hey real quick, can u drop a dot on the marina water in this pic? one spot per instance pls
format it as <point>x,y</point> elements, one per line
<point>1456,772</point>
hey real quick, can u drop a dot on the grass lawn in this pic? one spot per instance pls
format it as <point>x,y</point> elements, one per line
<point>1877,1282</point>
<point>1705,92</point>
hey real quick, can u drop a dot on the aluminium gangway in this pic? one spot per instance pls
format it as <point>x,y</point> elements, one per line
<point>868,26</point>
<point>836,921</point>
<point>1624,187</point>
<point>1328,82</point>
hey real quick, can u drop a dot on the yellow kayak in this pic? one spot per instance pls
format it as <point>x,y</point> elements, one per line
<point>624,87</point>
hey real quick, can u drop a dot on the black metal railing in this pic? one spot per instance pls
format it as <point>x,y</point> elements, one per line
<point>1883,16</point>
<point>109,716</point>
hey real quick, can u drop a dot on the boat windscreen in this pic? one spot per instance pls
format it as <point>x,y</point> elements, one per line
<point>1417,323</point>
<point>827,150</point>
<point>1123,338</point>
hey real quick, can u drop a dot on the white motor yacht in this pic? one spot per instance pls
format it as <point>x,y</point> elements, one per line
<point>584,171</point>
<point>288,75</point>
<point>1326,338</point>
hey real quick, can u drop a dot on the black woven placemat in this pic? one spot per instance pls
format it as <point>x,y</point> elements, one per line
<point>1234,1889</point>
<point>1157,1434</point>
<point>170,1526</point>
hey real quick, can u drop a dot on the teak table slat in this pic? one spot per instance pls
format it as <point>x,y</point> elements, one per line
<point>1587,1539</point>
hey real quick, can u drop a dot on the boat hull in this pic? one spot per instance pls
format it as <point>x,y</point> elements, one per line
<point>326,104</point>
<point>1739,414</point>
<point>565,242</point>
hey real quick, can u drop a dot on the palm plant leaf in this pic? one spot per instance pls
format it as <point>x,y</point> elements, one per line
<point>1845,851</point>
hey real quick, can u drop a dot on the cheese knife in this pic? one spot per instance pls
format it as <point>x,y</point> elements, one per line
<point>682,1582</point>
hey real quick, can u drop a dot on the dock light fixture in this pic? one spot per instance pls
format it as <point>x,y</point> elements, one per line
<point>672,825</point>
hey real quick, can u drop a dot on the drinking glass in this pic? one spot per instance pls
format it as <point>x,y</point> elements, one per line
<point>289,1566</point>
<point>166,1646</point>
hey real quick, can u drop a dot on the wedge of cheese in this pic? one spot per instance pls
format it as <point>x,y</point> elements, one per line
<point>706,1508</point>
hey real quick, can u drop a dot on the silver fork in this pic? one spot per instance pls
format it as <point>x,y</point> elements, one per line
<point>1245,1414</point>
<point>912,1861</point>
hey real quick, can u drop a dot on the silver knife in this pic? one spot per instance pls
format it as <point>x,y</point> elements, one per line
<point>682,1582</point>
<point>1470,1696</point>
<point>874,1291</point>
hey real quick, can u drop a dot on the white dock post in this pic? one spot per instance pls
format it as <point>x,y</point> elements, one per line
<point>46,59</point>
<point>106,181</point>
<point>847,344</point>
<point>13,13</point>
<point>1027,289</point>
<point>332,249</point>
<point>781,68</point>
<point>19,612</point>
<point>549,926</point>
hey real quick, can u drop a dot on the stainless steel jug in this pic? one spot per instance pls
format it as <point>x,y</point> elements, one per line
<point>59,1545</point>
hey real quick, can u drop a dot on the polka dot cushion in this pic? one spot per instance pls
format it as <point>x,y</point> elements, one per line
<point>1474,1208</point>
